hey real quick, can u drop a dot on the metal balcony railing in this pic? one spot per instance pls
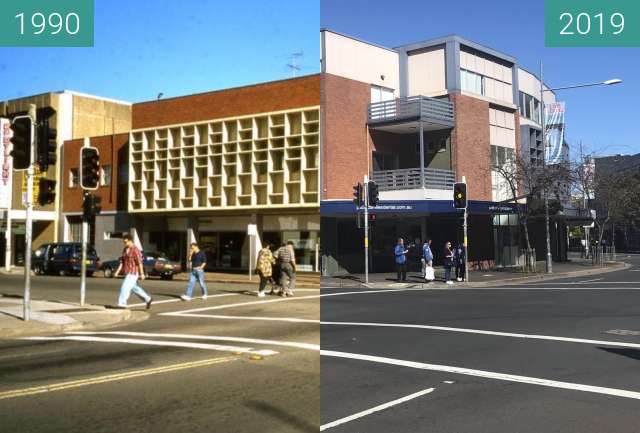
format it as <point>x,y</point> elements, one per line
<point>416,108</point>
<point>409,178</point>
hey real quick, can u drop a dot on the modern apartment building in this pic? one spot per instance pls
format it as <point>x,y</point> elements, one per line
<point>77,115</point>
<point>416,119</point>
<point>203,167</point>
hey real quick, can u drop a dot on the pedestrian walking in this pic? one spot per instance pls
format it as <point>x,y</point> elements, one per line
<point>427,261</point>
<point>264,268</point>
<point>459,258</point>
<point>292,280</point>
<point>286,262</point>
<point>400,253</point>
<point>132,268</point>
<point>448,262</point>
<point>198,260</point>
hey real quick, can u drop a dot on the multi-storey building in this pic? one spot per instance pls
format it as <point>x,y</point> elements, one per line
<point>203,167</point>
<point>416,119</point>
<point>77,115</point>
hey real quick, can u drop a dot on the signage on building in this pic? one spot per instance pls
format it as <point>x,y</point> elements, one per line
<point>554,130</point>
<point>36,184</point>
<point>5,163</point>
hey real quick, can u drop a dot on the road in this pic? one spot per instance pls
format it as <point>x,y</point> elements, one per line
<point>550,356</point>
<point>227,364</point>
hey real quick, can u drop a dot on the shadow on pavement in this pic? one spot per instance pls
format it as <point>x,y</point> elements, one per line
<point>275,412</point>
<point>629,353</point>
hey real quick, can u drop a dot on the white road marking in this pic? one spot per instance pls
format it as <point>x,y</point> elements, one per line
<point>375,409</point>
<point>590,281</point>
<point>169,301</point>
<point>492,333</point>
<point>448,382</point>
<point>486,374</point>
<point>272,319</point>
<point>221,348</point>
<point>623,332</point>
<point>306,346</point>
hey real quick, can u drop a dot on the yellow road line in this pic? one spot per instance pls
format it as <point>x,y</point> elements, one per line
<point>111,378</point>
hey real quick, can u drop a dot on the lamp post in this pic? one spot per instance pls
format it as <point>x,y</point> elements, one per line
<point>544,144</point>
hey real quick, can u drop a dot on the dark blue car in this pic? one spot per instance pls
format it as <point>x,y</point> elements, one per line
<point>63,258</point>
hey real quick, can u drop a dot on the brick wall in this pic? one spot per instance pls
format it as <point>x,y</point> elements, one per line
<point>470,145</point>
<point>260,98</point>
<point>345,153</point>
<point>114,152</point>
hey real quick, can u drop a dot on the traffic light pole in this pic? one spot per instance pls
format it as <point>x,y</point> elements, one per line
<point>365,189</point>
<point>26,306</point>
<point>83,265</point>
<point>465,243</point>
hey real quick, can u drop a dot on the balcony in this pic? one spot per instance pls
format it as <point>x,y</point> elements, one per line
<point>409,178</point>
<point>431,112</point>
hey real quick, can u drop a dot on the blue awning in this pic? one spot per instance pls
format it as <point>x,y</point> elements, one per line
<point>347,207</point>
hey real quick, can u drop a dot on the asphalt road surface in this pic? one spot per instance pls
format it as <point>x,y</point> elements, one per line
<point>554,356</point>
<point>232,363</point>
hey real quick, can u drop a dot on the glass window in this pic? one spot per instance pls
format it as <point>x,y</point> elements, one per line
<point>74,178</point>
<point>472,82</point>
<point>123,174</point>
<point>105,179</point>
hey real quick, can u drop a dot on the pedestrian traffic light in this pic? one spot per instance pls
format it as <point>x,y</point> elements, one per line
<point>91,206</point>
<point>47,191</point>
<point>22,141</point>
<point>358,196</point>
<point>372,190</point>
<point>372,220</point>
<point>89,168</point>
<point>47,145</point>
<point>460,195</point>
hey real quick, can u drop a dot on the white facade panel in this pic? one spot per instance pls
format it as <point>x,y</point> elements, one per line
<point>357,60</point>
<point>427,73</point>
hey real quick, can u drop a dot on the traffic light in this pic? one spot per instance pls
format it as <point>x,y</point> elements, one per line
<point>460,195</point>
<point>372,220</point>
<point>22,141</point>
<point>358,196</point>
<point>91,206</point>
<point>47,145</point>
<point>372,190</point>
<point>89,168</point>
<point>47,192</point>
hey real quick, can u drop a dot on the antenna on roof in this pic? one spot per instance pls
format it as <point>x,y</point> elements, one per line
<point>160,95</point>
<point>294,65</point>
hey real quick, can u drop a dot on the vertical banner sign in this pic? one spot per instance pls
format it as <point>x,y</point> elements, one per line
<point>37,175</point>
<point>554,131</point>
<point>5,163</point>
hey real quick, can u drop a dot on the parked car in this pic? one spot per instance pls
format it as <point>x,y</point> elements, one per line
<point>155,264</point>
<point>63,258</point>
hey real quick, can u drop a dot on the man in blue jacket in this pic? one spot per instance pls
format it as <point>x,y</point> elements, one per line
<point>427,256</point>
<point>400,253</point>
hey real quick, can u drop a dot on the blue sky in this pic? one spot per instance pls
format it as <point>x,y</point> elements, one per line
<point>143,47</point>
<point>605,118</point>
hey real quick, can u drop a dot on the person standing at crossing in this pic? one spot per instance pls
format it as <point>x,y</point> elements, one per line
<point>400,253</point>
<point>198,260</point>
<point>132,268</point>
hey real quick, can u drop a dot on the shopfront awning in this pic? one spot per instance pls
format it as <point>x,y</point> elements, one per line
<point>346,207</point>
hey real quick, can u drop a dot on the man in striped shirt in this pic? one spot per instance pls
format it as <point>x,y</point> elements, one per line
<point>287,261</point>
<point>131,267</point>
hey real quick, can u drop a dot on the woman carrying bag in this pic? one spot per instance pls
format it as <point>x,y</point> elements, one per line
<point>264,268</point>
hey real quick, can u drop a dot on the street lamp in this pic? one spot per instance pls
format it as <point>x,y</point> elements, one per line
<point>544,144</point>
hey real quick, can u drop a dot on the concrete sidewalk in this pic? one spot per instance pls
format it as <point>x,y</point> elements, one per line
<point>304,280</point>
<point>576,267</point>
<point>54,317</point>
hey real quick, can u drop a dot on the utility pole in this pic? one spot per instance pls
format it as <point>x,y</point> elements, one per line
<point>83,265</point>
<point>365,189</point>
<point>26,306</point>
<point>544,162</point>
